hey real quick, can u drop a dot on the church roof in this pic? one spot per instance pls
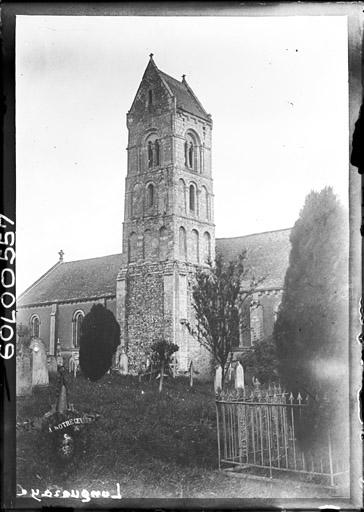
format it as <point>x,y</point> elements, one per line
<point>186,99</point>
<point>267,256</point>
<point>91,278</point>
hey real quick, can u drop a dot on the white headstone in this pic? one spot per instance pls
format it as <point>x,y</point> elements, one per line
<point>118,352</point>
<point>40,366</point>
<point>218,379</point>
<point>123,363</point>
<point>239,376</point>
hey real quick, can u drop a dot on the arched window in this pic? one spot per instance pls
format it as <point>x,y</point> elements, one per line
<point>182,244</point>
<point>163,243</point>
<point>77,320</point>
<point>150,195</point>
<point>150,154</point>
<point>191,155</point>
<point>194,247</point>
<point>157,152</point>
<point>150,97</point>
<point>207,247</point>
<point>192,151</point>
<point>34,326</point>
<point>192,198</point>
<point>256,322</point>
<point>153,151</point>
<point>133,239</point>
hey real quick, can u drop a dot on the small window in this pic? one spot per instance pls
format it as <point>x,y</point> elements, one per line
<point>150,97</point>
<point>192,198</point>
<point>157,152</point>
<point>153,152</point>
<point>190,155</point>
<point>76,327</point>
<point>256,322</point>
<point>192,151</point>
<point>150,195</point>
<point>150,154</point>
<point>34,326</point>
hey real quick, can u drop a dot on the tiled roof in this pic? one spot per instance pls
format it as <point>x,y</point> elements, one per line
<point>186,100</point>
<point>267,256</point>
<point>74,280</point>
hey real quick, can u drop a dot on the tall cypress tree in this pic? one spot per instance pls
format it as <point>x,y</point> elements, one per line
<point>311,332</point>
<point>100,336</point>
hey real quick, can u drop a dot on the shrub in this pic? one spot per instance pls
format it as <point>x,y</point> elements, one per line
<point>162,352</point>
<point>261,361</point>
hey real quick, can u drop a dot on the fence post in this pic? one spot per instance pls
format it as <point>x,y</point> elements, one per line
<point>218,434</point>
<point>332,480</point>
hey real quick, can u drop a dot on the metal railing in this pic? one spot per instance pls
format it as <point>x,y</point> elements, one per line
<point>258,430</point>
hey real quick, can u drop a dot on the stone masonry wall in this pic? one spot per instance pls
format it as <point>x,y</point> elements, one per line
<point>145,313</point>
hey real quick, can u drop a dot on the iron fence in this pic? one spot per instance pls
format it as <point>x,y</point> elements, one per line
<point>258,430</point>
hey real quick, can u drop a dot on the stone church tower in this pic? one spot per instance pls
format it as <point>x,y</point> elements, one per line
<point>168,227</point>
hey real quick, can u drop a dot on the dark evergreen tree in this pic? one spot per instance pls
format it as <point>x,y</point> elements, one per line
<point>100,336</point>
<point>218,300</point>
<point>311,331</point>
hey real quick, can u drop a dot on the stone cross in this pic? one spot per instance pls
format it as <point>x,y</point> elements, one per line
<point>59,356</point>
<point>239,376</point>
<point>218,379</point>
<point>40,367</point>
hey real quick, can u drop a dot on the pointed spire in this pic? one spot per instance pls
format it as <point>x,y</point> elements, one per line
<point>183,78</point>
<point>151,56</point>
<point>61,254</point>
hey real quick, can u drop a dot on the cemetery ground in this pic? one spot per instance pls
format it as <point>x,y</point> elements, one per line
<point>155,445</point>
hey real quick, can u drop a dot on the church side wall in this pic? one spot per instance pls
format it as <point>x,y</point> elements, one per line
<point>64,320</point>
<point>24,315</point>
<point>64,317</point>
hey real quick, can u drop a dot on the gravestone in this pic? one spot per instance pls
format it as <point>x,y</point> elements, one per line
<point>116,359</point>
<point>239,377</point>
<point>39,363</point>
<point>52,364</point>
<point>230,377</point>
<point>218,379</point>
<point>23,374</point>
<point>59,356</point>
<point>123,363</point>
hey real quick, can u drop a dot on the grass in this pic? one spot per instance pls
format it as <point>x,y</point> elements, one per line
<point>153,444</point>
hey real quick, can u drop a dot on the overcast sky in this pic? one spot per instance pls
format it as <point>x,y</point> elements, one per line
<point>277,90</point>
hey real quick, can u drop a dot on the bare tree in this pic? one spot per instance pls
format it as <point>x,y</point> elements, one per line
<point>219,298</point>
